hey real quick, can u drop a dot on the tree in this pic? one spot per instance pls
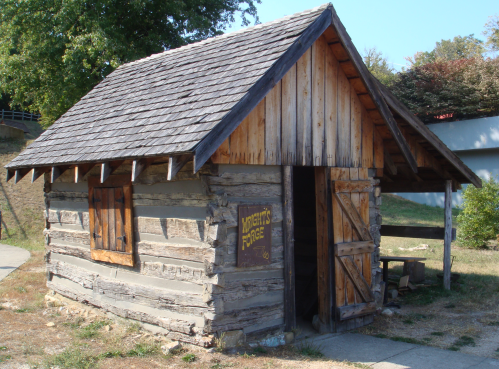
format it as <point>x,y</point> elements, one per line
<point>378,66</point>
<point>492,33</point>
<point>52,52</point>
<point>479,218</point>
<point>467,47</point>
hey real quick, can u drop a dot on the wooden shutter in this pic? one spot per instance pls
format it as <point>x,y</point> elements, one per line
<point>353,244</point>
<point>110,216</point>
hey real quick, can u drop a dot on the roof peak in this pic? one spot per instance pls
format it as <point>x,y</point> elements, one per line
<point>225,35</point>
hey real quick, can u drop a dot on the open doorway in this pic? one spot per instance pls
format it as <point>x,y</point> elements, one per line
<point>305,234</point>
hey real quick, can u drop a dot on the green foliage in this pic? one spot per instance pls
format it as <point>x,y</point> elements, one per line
<point>492,33</point>
<point>52,52</point>
<point>479,219</point>
<point>72,357</point>
<point>311,350</point>
<point>467,47</point>
<point>189,358</point>
<point>378,66</point>
<point>143,349</point>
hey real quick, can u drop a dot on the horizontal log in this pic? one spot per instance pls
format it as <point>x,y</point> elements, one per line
<point>353,248</point>
<point>239,319</point>
<point>228,214</point>
<point>197,230</point>
<point>182,252</point>
<point>79,252</point>
<point>412,187</point>
<point>180,330</point>
<point>69,217</point>
<point>248,190</point>
<point>353,186</point>
<point>235,179</point>
<point>433,233</point>
<point>174,272</point>
<point>68,196</point>
<point>353,311</point>
<point>78,237</point>
<point>173,199</point>
<point>238,290</point>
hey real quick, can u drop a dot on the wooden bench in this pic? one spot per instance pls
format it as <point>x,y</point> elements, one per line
<point>400,259</point>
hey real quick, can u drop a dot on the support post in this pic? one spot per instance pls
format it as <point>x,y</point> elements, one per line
<point>289,249</point>
<point>448,233</point>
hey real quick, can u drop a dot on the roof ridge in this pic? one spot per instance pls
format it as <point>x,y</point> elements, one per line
<point>225,35</point>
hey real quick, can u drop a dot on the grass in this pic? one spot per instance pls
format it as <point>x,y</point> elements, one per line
<point>189,358</point>
<point>408,340</point>
<point>91,330</point>
<point>310,350</point>
<point>479,279</point>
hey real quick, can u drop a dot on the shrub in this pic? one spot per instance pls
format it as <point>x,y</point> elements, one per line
<point>479,220</point>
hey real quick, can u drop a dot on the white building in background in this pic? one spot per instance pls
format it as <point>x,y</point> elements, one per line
<point>476,142</point>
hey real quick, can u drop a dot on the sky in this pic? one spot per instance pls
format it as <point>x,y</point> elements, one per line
<point>396,28</point>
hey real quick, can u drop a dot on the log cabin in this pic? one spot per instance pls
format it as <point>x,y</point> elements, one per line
<point>233,184</point>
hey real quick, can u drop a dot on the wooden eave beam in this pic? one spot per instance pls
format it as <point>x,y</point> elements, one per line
<point>139,166</point>
<point>389,164</point>
<point>81,170</point>
<point>431,138</point>
<point>373,90</point>
<point>17,174</point>
<point>38,172</point>
<point>107,168</point>
<point>57,171</point>
<point>408,186</point>
<point>257,92</point>
<point>176,163</point>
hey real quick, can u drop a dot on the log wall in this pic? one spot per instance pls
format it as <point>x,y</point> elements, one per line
<point>185,279</point>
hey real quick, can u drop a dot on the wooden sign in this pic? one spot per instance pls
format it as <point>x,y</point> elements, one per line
<point>255,235</point>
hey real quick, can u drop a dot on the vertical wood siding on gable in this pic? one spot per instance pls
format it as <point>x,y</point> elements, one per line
<point>312,117</point>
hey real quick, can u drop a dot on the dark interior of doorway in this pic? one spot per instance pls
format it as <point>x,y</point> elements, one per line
<point>306,296</point>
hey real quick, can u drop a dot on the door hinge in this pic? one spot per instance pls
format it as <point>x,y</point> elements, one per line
<point>121,200</point>
<point>95,235</point>
<point>122,238</point>
<point>94,200</point>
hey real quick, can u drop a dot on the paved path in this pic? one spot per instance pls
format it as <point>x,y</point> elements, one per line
<point>382,353</point>
<point>11,258</point>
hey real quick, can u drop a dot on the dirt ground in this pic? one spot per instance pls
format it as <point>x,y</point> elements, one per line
<point>33,335</point>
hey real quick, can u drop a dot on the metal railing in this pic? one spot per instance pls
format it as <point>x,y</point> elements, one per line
<point>19,115</point>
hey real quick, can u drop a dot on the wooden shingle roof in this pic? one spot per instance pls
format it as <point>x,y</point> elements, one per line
<point>166,103</point>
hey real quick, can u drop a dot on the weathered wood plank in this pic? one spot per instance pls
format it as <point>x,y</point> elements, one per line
<point>343,155</point>
<point>222,155</point>
<point>331,103</point>
<point>353,248</point>
<point>367,140</point>
<point>355,197</point>
<point>378,150</point>
<point>273,126</point>
<point>352,311</point>
<point>304,108</point>
<point>256,134</point>
<point>318,102</point>
<point>353,186</point>
<point>356,129</point>
<point>239,143</point>
<point>289,119</point>
<point>372,89</point>
<point>38,172</point>
<point>354,216</point>
<point>289,265</point>
<point>356,277</point>
<point>258,91</point>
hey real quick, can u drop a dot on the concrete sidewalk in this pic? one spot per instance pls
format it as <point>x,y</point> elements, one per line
<point>11,258</point>
<point>382,353</point>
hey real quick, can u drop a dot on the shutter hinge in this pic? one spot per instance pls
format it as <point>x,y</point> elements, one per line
<point>121,199</point>
<point>122,238</point>
<point>95,235</point>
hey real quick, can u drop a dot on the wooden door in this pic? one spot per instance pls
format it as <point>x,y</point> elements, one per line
<point>353,246</point>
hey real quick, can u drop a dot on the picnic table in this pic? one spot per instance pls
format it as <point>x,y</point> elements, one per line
<point>400,259</point>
